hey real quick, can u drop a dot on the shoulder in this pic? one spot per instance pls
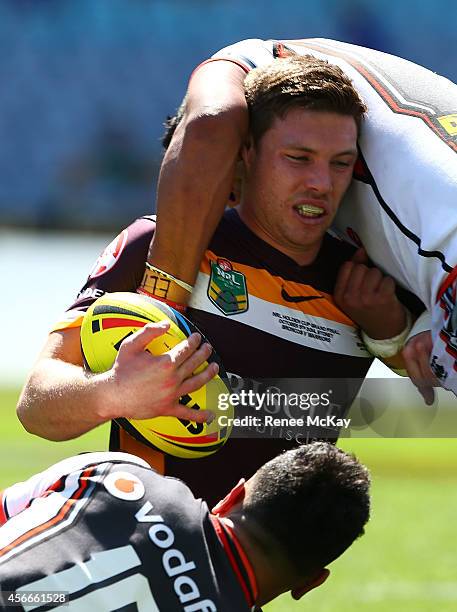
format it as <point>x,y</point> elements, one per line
<point>132,239</point>
<point>19,496</point>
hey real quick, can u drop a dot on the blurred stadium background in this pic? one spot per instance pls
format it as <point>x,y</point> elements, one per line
<point>86,87</point>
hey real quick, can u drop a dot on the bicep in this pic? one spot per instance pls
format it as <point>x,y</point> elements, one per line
<point>215,88</point>
<point>64,345</point>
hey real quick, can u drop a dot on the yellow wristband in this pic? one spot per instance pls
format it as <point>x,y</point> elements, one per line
<point>170,277</point>
<point>164,287</point>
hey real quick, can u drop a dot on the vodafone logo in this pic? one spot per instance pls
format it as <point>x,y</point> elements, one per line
<point>110,255</point>
<point>124,485</point>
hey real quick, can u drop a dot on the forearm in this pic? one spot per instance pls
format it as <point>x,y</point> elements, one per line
<point>194,200</point>
<point>61,401</point>
<point>198,169</point>
<point>389,348</point>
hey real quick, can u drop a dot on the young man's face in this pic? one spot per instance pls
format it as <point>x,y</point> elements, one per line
<point>296,176</point>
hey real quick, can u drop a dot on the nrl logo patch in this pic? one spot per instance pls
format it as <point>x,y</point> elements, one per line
<point>227,288</point>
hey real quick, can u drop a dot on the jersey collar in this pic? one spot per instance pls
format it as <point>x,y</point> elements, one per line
<point>238,560</point>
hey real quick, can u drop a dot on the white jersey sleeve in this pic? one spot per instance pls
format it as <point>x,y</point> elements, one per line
<point>19,496</point>
<point>248,54</point>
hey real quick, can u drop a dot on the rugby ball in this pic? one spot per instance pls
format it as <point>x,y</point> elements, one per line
<point>113,318</point>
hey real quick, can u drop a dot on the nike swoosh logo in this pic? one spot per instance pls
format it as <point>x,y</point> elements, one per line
<point>295,299</point>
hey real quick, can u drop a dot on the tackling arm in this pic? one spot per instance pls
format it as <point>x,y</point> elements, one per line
<point>369,298</point>
<point>416,355</point>
<point>198,170</point>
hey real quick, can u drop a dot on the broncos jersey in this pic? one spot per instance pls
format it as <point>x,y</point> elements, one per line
<point>266,316</point>
<point>402,202</point>
<point>114,535</point>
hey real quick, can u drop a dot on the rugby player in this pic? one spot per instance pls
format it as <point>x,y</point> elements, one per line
<point>399,206</point>
<point>111,533</point>
<point>264,295</point>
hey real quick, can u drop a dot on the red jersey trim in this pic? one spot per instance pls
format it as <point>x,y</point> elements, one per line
<point>59,517</point>
<point>3,517</point>
<point>450,278</point>
<point>250,590</point>
<point>221,59</point>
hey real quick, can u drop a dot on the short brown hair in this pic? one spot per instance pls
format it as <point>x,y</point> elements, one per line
<point>300,81</point>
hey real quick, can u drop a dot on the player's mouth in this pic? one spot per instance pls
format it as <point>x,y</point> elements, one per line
<point>310,211</point>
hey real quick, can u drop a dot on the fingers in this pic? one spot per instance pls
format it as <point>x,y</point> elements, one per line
<point>386,286</point>
<point>416,355</point>
<point>360,256</point>
<point>356,283</point>
<point>141,338</point>
<point>342,280</point>
<point>414,371</point>
<point>182,351</point>
<point>351,273</point>
<point>364,285</point>
<point>194,360</point>
<point>367,282</point>
<point>428,393</point>
<point>190,414</point>
<point>198,380</point>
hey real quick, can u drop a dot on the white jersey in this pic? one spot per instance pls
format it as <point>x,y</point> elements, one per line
<point>402,204</point>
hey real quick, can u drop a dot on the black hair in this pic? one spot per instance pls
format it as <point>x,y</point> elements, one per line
<point>312,502</point>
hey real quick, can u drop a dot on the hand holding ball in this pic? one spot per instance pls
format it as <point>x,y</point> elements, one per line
<point>170,383</point>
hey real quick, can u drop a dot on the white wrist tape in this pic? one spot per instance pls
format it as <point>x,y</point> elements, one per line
<point>421,324</point>
<point>390,346</point>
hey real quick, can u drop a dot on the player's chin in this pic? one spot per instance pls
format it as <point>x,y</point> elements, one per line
<point>308,234</point>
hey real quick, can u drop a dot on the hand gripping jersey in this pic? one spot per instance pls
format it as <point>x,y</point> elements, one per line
<point>114,535</point>
<point>402,203</point>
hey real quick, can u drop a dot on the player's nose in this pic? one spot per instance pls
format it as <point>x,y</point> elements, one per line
<point>318,178</point>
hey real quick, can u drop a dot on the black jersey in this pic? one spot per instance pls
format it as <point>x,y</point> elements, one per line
<point>115,535</point>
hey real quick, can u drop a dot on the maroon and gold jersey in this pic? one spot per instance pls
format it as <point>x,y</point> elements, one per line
<point>282,315</point>
<point>266,316</point>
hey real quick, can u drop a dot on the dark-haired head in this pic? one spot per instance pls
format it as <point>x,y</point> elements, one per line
<point>299,512</point>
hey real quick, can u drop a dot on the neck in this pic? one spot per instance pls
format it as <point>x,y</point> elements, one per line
<point>269,579</point>
<point>303,255</point>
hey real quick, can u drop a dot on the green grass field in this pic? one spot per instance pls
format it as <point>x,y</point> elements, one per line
<point>406,562</point>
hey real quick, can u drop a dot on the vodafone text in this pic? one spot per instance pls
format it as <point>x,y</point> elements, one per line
<point>174,563</point>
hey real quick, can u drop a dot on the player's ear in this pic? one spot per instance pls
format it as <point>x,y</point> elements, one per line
<point>319,578</point>
<point>247,151</point>
<point>233,498</point>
